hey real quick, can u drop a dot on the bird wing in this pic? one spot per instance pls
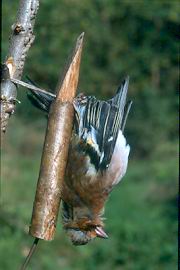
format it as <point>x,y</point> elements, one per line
<point>40,100</point>
<point>98,124</point>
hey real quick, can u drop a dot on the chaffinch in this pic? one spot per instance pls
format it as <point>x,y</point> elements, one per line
<point>97,160</point>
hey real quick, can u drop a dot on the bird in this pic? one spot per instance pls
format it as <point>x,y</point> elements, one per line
<point>97,160</point>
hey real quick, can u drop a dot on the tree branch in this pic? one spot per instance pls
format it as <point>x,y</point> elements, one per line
<point>21,40</point>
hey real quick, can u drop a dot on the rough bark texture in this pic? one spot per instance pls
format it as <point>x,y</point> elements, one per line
<point>55,152</point>
<point>20,41</point>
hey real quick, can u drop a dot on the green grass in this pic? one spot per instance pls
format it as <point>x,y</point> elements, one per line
<point>141,212</point>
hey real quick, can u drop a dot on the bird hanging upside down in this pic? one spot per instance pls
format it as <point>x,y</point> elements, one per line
<point>97,160</point>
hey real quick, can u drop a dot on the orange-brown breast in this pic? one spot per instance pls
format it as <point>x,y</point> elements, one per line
<point>83,185</point>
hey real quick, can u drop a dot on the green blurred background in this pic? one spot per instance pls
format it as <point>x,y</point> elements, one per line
<point>135,38</point>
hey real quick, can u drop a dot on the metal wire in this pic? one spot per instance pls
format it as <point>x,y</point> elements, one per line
<point>29,256</point>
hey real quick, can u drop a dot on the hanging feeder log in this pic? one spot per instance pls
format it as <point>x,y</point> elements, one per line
<point>55,151</point>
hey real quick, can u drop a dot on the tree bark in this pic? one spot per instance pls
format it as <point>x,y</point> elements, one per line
<point>21,40</point>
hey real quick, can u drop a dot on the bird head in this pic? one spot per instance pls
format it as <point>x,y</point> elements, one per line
<point>82,237</point>
<point>80,224</point>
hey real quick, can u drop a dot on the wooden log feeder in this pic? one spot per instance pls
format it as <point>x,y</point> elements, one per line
<point>55,154</point>
<point>55,151</point>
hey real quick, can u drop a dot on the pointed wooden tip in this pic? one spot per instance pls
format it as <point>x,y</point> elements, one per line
<point>79,41</point>
<point>66,89</point>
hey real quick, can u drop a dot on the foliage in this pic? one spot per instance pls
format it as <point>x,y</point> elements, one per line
<point>135,38</point>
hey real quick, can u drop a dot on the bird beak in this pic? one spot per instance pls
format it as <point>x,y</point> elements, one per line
<point>100,232</point>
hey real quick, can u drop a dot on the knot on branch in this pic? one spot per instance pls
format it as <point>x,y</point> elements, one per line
<point>17,28</point>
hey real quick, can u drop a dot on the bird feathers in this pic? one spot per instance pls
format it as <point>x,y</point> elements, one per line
<point>99,123</point>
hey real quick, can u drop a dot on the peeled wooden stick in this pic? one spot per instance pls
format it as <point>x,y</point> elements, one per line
<point>55,152</point>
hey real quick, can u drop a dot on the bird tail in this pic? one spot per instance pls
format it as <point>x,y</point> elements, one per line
<point>120,101</point>
<point>40,100</point>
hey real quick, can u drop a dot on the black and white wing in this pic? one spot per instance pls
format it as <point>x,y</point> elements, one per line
<point>98,124</point>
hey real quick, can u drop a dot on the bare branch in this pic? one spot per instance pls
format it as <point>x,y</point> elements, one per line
<point>21,40</point>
